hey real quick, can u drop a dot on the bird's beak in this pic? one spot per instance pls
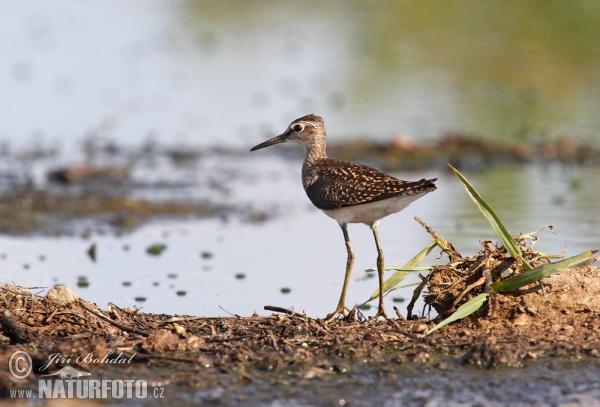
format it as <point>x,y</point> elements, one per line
<point>282,138</point>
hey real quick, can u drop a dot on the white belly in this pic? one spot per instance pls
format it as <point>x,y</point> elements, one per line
<point>371,212</point>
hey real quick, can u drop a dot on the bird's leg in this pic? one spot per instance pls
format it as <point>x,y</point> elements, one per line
<point>349,263</point>
<point>380,311</point>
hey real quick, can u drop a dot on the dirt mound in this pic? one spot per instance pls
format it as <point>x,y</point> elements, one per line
<point>202,353</point>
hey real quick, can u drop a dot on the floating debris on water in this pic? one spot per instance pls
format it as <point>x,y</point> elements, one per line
<point>92,252</point>
<point>156,249</point>
<point>82,282</point>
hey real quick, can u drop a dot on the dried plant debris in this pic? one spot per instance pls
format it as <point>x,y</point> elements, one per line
<point>504,283</point>
<point>198,352</point>
<point>453,284</point>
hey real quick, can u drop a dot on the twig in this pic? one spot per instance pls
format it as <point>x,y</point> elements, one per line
<point>399,314</point>
<point>4,298</point>
<point>232,338</point>
<point>180,319</point>
<point>233,315</point>
<point>279,309</point>
<point>110,321</point>
<point>65,313</point>
<point>466,290</point>
<point>441,242</point>
<point>274,341</point>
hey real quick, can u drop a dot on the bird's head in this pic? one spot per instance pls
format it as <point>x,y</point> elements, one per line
<point>306,130</point>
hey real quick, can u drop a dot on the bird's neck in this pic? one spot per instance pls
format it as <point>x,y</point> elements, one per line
<point>314,153</point>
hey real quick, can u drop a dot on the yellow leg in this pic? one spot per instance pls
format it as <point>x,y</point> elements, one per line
<point>380,262</point>
<point>349,263</point>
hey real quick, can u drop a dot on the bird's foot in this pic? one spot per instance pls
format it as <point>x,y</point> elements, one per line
<point>380,313</point>
<point>340,311</point>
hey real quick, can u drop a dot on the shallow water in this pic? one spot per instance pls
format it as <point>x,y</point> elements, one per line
<point>222,73</point>
<point>550,384</point>
<point>300,248</point>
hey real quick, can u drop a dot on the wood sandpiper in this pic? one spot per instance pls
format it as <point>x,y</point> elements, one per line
<point>348,192</point>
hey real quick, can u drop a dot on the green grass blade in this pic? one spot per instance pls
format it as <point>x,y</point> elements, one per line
<point>421,256</point>
<point>403,268</point>
<point>464,310</point>
<point>399,287</point>
<point>402,272</point>
<point>495,222</point>
<point>540,272</point>
<point>396,278</point>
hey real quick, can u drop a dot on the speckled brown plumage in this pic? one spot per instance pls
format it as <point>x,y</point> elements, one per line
<point>333,184</point>
<point>348,192</point>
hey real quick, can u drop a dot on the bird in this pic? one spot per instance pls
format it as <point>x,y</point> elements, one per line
<point>348,192</point>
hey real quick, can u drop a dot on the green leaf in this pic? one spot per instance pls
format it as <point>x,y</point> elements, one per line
<point>537,273</point>
<point>402,272</point>
<point>156,249</point>
<point>415,296</point>
<point>421,256</point>
<point>464,310</point>
<point>495,222</point>
<point>399,287</point>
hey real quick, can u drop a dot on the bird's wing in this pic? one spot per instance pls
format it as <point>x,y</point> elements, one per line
<point>338,184</point>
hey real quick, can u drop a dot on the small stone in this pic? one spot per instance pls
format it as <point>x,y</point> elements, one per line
<point>62,295</point>
<point>422,357</point>
<point>556,327</point>
<point>521,320</point>
<point>531,310</point>
<point>507,273</point>
<point>491,341</point>
<point>179,329</point>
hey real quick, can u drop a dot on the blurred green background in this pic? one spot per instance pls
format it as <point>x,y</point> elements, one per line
<point>230,72</point>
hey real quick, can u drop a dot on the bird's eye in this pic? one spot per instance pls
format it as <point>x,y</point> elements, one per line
<point>298,128</point>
